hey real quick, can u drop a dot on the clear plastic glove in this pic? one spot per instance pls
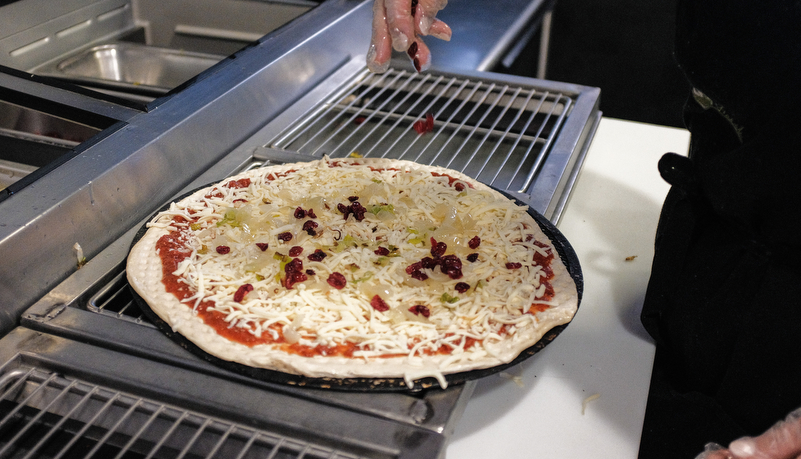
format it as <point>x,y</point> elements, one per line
<point>782,441</point>
<point>399,25</point>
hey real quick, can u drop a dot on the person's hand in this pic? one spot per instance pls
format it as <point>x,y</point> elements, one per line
<point>400,24</point>
<point>782,441</point>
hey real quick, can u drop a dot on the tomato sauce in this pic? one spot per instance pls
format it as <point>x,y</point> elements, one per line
<point>241,183</point>
<point>545,262</point>
<point>172,251</point>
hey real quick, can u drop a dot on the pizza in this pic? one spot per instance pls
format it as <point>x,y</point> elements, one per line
<point>353,268</point>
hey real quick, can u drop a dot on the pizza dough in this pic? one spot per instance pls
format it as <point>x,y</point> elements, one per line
<point>353,268</point>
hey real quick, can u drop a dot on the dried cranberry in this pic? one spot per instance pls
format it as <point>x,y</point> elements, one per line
<point>379,304</point>
<point>296,264</point>
<point>412,51</point>
<point>241,292</point>
<point>472,258</point>
<point>223,249</point>
<point>337,281</point>
<point>295,251</point>
<point>294,273</point>
<point>452,266</point>
<point>474,243</point>
<point>310,213</point>
<point>513,265</point>
<point>317,255</point>
<point>262,246</point>
<point>310,272</point>
<point>427,125</point>
<point>416,271</point>
<point>414,267</point>
<point>419,309</point>
<point>353,198</point>
<point>358,210</point>
<point>429,263</point>
<point>381,251</point>
<point>359,120</point>
<point>285,236</point>
<point>417,65</point>
<point>309,227</point>
<point>300,213</point>
<point>459,186</point>
<point>438,248</point>
<point>462,287</point>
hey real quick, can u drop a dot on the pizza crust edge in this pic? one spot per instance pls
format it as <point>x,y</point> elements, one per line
<point>144,275</point>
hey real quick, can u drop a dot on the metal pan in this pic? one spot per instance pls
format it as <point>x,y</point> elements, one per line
<point>563,248</point>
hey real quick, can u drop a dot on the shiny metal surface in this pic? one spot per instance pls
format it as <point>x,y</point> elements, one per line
<point>11,172</point>
<point>131,66</point>
<point>18,120</point>
<point>64,398</point>
<point>38,32</point>
<point>70,331</point>
<point>483,34</point>
<point>120,175</point>
<point>527,137</point>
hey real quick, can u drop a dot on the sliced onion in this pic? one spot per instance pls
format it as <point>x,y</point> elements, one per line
<point>291,335</point>
<point>385,215</point>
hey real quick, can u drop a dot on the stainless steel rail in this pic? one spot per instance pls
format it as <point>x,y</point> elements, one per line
<point>295,95</point>
<point>498,133</point>
<point>47,414</point>
<point>117,178</point>
<point>63,398</point>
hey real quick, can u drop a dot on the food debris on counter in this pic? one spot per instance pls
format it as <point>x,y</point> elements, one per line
<point>79,254</point>
<point>515,379</point>
<point>587,401</point>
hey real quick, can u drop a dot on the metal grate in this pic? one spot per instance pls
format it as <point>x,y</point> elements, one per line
<point>496,132</point>
<point>43,414</point>
<point>114,299</point>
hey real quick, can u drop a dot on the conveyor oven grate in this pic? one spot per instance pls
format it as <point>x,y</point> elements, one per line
<point>114,299</point>
<point>44,414</point>
<point>499,133</point>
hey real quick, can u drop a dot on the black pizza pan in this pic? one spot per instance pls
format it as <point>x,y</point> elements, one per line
<point>563,248</point>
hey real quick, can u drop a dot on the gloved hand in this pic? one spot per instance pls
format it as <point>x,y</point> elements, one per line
<point>782,441</point>
<point>400,24</point>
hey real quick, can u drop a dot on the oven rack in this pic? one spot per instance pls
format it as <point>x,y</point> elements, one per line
<point>63,398</point>
<point>526,138</point>
<point>45,414</point>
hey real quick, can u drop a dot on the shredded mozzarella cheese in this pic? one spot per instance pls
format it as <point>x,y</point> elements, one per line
<point>404,210</point>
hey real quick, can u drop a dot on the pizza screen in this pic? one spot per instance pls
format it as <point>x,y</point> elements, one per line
<point>353,268</point>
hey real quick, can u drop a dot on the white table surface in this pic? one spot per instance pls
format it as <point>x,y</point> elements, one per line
<point>535,409</point>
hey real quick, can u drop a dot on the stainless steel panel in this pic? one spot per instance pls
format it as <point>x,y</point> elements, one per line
<point>11,172</point>
<point>62,398</point>
<point>36,31</point>
<point>39,126</point>
<point>116,179</point>
<point>130,66</point>
<point>482,33</point>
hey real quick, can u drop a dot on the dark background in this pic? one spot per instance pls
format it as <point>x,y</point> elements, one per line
<point>624,47</point>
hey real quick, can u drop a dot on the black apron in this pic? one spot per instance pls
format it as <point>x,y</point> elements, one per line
<point>724,298</point>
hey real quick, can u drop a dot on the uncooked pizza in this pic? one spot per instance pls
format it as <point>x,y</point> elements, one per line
<point>353,268</point>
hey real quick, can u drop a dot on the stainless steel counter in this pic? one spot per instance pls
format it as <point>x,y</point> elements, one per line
<point>74,333</point>
<point>485,33</point>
